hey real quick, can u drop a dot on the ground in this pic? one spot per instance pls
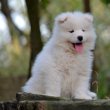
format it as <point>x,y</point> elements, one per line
<point>9,86</point>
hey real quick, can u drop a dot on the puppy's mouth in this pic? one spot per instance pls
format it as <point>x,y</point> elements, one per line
<point>78,47</point>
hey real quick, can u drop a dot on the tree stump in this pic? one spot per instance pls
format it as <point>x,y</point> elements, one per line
<point>26,101</point>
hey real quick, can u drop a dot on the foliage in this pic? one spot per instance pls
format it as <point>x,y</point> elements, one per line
<point>44,3</point>
<point>102,59</point>
<point>12,57</point>
<point>13,62</point>
<point>106,1</point>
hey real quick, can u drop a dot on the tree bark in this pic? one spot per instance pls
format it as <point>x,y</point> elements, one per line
<point>94,83</point>
<point>35,36</point>
<point>87,7</point>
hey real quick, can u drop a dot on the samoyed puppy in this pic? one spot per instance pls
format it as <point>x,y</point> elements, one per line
<point>63,68</point>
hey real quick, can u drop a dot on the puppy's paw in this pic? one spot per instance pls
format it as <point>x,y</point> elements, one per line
<point>52,94</point>
<point>92,94</point>
<point>83,96</point>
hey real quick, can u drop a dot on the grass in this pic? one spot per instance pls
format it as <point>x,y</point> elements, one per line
<point>103,68</point>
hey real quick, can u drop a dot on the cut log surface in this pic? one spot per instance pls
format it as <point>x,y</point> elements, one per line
<point>27,101</point>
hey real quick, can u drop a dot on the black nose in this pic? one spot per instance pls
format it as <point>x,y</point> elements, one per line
<point>80,38</point>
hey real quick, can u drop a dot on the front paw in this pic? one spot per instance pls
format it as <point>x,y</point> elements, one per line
<point>83,96</point>
<point>92,94</point>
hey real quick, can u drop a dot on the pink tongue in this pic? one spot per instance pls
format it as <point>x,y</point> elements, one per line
<point>78,48</point>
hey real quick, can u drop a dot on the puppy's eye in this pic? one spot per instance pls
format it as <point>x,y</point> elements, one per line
<point>71,31</point>
<point>83,30</point>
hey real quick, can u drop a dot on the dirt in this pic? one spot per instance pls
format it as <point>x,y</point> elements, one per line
<point>9,86</point>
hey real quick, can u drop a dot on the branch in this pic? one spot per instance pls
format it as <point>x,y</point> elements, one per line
<point>7,12</point>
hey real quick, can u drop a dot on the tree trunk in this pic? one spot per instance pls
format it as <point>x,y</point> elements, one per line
<point>87,7</point>
<point>14,30</point>
<point>35,36</point>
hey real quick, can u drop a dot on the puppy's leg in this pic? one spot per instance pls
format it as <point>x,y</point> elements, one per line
<point>53,84</point>
<point>82,88</point>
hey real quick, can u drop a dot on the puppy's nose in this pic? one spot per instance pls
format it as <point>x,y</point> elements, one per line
<point>80,38</point>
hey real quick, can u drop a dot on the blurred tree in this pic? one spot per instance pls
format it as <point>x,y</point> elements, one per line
<point>87,7</point>
<point>14,30</point>
<point>35,36</point>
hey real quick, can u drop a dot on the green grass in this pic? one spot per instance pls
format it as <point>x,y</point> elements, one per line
<point>102,57</point>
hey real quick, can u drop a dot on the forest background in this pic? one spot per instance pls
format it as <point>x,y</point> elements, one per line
<point>26,25</point>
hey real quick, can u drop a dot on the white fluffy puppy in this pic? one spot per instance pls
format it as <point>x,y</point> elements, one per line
<point>63,68</point>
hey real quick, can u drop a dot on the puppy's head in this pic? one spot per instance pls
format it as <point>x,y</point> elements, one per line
<point>77,29</point>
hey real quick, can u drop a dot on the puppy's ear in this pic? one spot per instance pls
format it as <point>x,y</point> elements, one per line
<point>61,18</point>
<point>89,17</point>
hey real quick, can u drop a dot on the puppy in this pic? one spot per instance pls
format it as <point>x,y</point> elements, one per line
<point>63,68</point>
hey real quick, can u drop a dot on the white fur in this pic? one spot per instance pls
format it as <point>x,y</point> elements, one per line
<point>59,70</point>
